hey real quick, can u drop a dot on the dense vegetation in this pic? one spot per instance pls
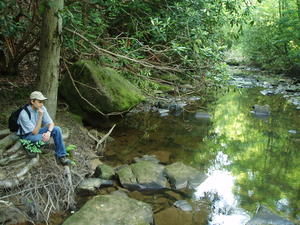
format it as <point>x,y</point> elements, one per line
<point>272,39</point>
<point>186,37</point>
<point>155,38</point>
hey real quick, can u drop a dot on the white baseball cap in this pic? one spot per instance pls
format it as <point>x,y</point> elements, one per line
<point>37,95</point>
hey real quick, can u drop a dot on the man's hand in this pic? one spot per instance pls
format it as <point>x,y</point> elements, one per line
<point>46,136</point>
<point>41,112</point>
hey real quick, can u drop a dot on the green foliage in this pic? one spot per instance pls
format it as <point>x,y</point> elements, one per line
<point>70,150</point>
<point>273,40</point>
<point>32,147</point>
<point>187,34</point>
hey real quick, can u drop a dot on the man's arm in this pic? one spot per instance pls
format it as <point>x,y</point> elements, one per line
<point>39,122</point>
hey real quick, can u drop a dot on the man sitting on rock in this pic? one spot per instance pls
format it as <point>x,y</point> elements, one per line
<point>40,127</point>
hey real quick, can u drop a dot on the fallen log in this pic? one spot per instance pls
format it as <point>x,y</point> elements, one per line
<point>8,141</point>
<point>4,132</point>
<point>19,176</point>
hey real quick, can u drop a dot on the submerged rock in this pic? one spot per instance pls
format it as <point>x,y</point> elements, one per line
<point>261,110</point>
<point>183,176</point>
<point>265,217</point>
<point>112,209</point>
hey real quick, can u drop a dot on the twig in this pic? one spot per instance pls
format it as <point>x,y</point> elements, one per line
<point>141,62</point>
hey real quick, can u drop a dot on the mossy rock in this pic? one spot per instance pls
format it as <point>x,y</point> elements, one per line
<point>103,87</point>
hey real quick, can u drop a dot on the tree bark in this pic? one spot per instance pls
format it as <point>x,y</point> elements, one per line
<point>51,39</point>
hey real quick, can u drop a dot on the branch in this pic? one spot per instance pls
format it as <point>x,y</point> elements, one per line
<point>141,62</point>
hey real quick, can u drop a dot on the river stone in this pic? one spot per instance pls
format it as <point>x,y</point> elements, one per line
<point>183,176</point>
<point>265,217</point>
<point>183,205</point>
<point>112,210</point>
<point>91,184</point>
<point>143,175</point>
<point>105,172</point>
<point>126,177</point>
<point>103,87</point>
<point>149,175</point>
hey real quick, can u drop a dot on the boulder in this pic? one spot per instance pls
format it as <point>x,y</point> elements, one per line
<point>105,172</point>
<point>143,175</point>
<point>103,87</point>
<point>264,216</point>
<point>149,175</point>
<point>92,184</point>
<point>112,209</point>
<point>183,176</point>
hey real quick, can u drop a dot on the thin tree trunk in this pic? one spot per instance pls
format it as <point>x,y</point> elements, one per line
<point>51,39</point>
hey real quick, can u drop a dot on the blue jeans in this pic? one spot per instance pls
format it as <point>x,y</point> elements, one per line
<point>56,133</point>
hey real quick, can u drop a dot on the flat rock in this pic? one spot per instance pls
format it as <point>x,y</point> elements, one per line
<point>104,172</point>
<point>183,176</point>
<point>143,175</point>
<point>112,210</point>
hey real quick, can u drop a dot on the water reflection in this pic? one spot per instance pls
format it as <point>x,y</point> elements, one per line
<point>249,160</point>
<point>218,188</point>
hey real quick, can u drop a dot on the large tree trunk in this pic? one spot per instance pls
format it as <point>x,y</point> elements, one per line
<point>51,37</point>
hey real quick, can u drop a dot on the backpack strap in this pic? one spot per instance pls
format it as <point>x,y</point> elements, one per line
<point>25,107</point>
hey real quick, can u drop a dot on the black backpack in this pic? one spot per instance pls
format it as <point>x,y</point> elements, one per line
<point>13,119</point>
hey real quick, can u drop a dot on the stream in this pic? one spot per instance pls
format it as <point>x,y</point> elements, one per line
<point>250,159</point>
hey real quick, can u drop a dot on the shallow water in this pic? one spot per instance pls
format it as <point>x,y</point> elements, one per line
<point>249,160</point>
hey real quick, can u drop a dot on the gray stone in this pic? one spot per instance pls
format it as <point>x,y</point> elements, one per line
<point>112,210</point>
<point>261,110</point>
<point>143,175</point>
<point>105,172</point>
<point>202,115</point>
<point>182,176</point>
<point>265,217</point>
<point>183,205</point>
<point>91,184</point>
<point>126,177</point>
<point>149,175</point>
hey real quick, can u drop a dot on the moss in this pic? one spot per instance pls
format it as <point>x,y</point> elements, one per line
<point>101,86</point>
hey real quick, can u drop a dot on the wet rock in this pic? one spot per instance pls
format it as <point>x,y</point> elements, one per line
<point>105,172</point>
<point>265,217</point>
<point>183,205</point>
<point>126,177</point>
<point>143,175</point>
<point>149,175</point>
<point>267,92</point>
<point>182,176</point>
<point>263,110</point>
<point>92,184</point>
<point>292,131</point>
<point>202,115</point>
<point>150,158</point>
<point>112,209</point>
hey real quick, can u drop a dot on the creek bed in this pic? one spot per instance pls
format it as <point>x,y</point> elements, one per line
<point>249,159</point>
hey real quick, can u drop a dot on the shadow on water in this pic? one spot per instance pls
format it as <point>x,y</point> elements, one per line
<point>249,160</point>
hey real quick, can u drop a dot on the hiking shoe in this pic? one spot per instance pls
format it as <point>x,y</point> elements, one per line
<point>65,161</point>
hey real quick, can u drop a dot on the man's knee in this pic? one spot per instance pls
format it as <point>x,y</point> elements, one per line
<point>56,129</point>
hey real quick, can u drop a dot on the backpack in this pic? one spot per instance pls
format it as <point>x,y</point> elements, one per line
<point>13,119</point>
